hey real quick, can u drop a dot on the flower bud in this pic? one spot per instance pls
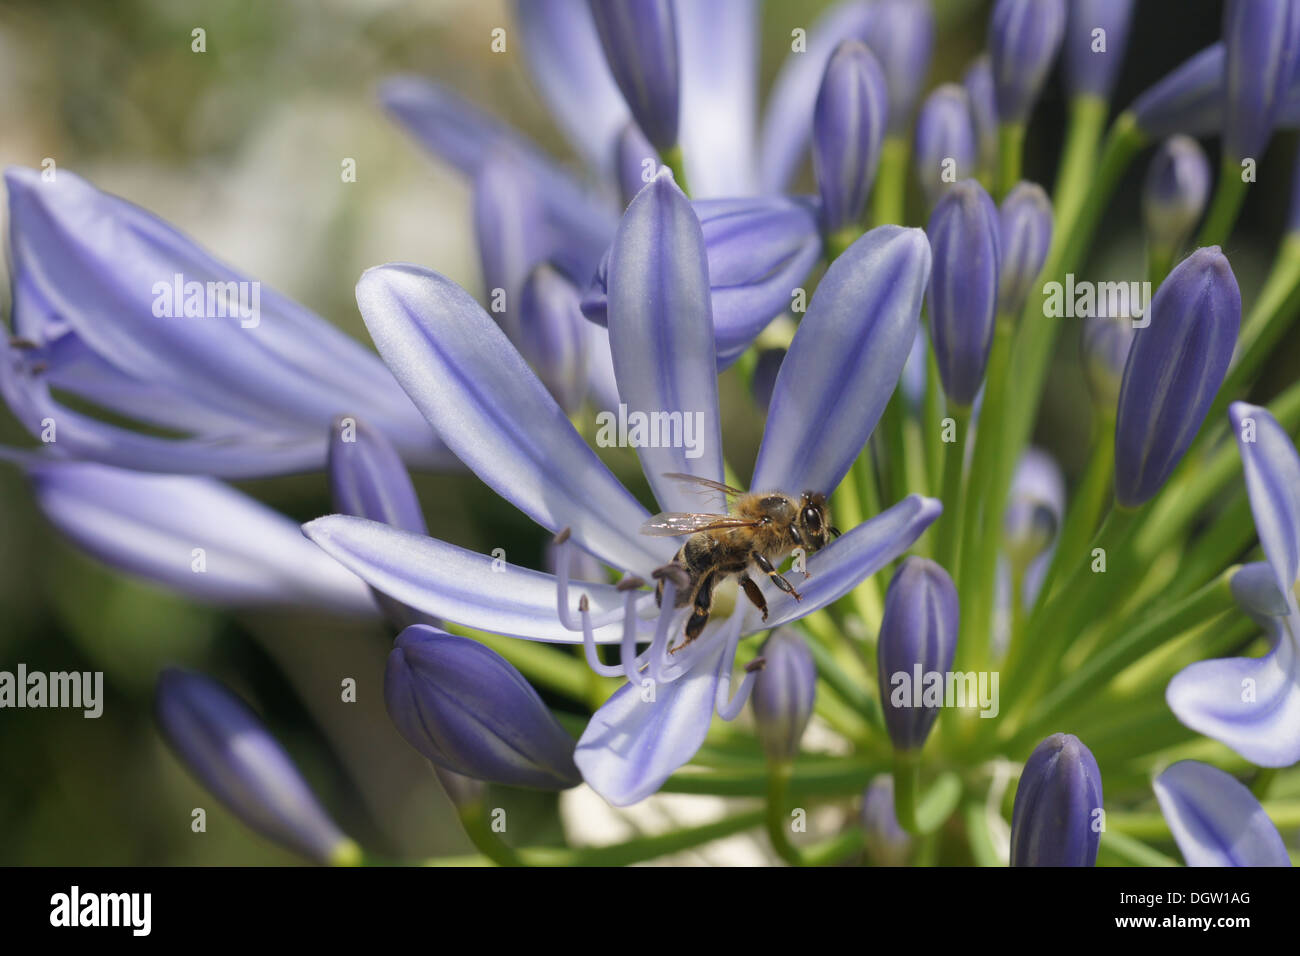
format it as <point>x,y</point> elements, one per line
<point>888,844</point>
<point>1105,348</point>
<point>963,296</point>
<point>467,709</point>
<point>1096,37</point>
<point>1056,819</point>
<point>1261,40</point>
<point>633,156</point>
<point>978,83</point>
<point>640,41</point>
<point>783,694</point>
<point>510,226</point>
<point>368,479</point>
<point>946,151</point>
<point>1034,507</point>
<point>551,334</point>
<point>901,34</point>
<point>1174,370</point>
<point>226,747</point>
<point>1174,194</point>
<point>1189,99</point>
<point>848,127</point>
<point>1025,232</point>
<point>1215,820</point>
<point>1024,38</point>
<point>918,636</point>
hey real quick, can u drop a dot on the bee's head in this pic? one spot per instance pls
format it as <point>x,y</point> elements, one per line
<point>815,521</point>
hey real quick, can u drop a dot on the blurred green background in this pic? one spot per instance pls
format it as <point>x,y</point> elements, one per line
<point>241,148</point>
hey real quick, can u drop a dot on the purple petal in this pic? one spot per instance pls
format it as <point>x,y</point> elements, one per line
<point>108,271</point>
<point>150,526</point>
<point>464,375</point>
<point>568,65</point>
<point>661,336</point>
<point>1215,820</point>
<point>719,43</point>
<point>368,479</point>
<point>787,120</point>
<point>642,734</point>
<point>457,585</point>
<point>510,226</point>
<point>844,361</point>
<point>1273,483</point>
<point>846,562</point>
<point>640,42</point>
<point>1251,704</point>
<point>226,747</point>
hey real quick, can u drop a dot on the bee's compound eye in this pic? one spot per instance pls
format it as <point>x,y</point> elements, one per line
<point>812,519</point>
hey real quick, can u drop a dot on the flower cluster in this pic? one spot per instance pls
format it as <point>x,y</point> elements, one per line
<point>970,618</point>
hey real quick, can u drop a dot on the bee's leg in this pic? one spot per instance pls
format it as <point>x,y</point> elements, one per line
<point>754,594</point>
<point>770,570</point>
<point>676,566</point>
<point>700,615</point>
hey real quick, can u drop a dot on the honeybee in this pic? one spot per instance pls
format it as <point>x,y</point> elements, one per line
<point>760,530</point>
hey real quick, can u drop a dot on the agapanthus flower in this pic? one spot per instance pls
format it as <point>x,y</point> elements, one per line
<point>1215,820</point>
<point>1252,704</point>
<point>463,373</point>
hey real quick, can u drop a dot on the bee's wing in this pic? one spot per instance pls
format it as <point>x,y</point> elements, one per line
<point>671,524</point>
<point>706,482</point>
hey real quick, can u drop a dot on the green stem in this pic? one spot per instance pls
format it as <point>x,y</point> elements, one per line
<point>1130,852</point>
<point>676,161</point>
<point>777,818</point>
<point>889,194</point>
<point>949,525</point>
<point>1229,194</point>
<point>1011,148</point>
<point>922,815</point>
<point>1208,603</point>
<point>932,415</point>
<point>1285,815</point>
<point>820,778</point>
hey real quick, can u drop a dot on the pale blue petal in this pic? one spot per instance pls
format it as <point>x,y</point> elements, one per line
<point>495,414</point>
<point>1273,483</point>
<point>1215,820</point>
<point>844,362</point>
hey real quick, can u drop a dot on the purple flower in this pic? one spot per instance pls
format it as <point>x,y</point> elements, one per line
<point>787,121</point>
<point>1055,819</point>
<point>1215,820</point>
<point>193,535</point>
<point>634,156</point>
<point>978,83</point>
<point>226,747</point>
<point>1175,367</point>
<point>119,310</point>
<point>1093,59</point>
<point>1174,194</point>
<point>848,129</point>
<point>463,372</point>
<point>1188,100</point>
<point>964,233</point>
<point>901,34</point>
<point>783,694</point>
<point>1252,704</point>
<point>466,708</point>
<point>1035,507</point>
<point>946,151</point>
<point>918,637</point>
<point>554,336</point>
<point>1105,348</point>
<point>1025,234</point>
<point>1261,40</point>
<point>1024,38</point>
<point>368,479</point>
<point>640,41</point>
<point>888,844</point>
<point>759,251</point>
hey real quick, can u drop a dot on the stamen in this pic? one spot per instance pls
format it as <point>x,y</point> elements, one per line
<point>589,642</point>
<point>563,571</point>
<point>730,709</point>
